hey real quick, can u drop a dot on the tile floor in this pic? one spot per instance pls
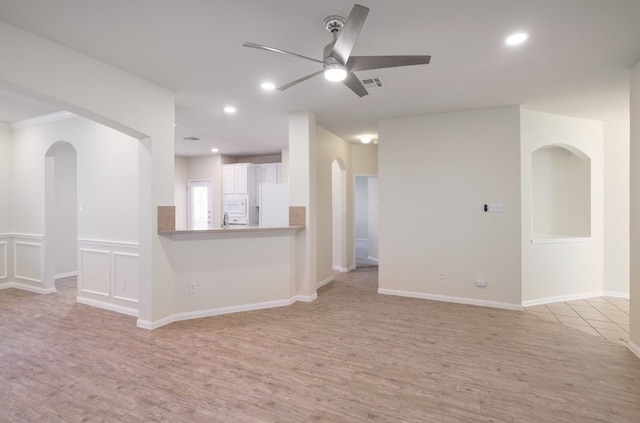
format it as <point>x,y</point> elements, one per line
<point>607,317</point>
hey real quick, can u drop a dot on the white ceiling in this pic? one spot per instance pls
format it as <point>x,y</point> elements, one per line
<point>576,61</point>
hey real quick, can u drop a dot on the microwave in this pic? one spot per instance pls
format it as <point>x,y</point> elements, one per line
<point>235,208</point>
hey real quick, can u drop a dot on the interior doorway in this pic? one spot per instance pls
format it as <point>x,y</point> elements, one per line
<point>366,220</point>
<point>199,204</point>
<point>61,214</point>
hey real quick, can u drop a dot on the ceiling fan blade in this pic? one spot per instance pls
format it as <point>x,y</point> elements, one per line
<point>277,50</point>
<point>348,35</point>
<point>297,81</point>
<point>354,83</point>
<point>360,63</point>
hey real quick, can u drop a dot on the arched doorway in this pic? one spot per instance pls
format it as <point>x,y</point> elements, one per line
<point>61,217</point>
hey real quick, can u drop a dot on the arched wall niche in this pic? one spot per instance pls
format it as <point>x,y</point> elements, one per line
<point>561,192</point>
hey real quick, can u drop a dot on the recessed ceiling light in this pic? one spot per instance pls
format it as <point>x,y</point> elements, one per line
<point>365,139</point>
<point>516,39</point>
<point>214,150</point>
<point>230,110</point>
<point>268,86</point>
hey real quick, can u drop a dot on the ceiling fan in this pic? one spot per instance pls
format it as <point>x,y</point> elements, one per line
<point>337,62</point>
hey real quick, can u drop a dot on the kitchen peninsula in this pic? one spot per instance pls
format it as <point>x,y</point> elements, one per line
<point>220,271</point>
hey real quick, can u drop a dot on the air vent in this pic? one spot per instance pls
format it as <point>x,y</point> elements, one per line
<point>374,82</point>
<point>191,139</point>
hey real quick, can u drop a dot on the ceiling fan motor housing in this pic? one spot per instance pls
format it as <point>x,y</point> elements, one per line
<point>334,24</point>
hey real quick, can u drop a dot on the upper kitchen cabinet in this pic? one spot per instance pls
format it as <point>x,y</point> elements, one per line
<point>238,179</point>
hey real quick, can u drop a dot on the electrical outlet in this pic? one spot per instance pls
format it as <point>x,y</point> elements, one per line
<point>192,288</point>
<point>124,284</point>
<point>480,281</point>
<point>441,275</point>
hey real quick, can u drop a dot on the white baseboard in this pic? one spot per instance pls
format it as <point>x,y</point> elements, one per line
<point>149,325</point>
<point>562,298</point>
<point>25,287</point>
<point>344,269</point>
<point>107,306</point>
<point>373,259</point>
<point>448,299</point>
<point>324,282</point>
<point>66,275</point>
<point>307,298</point>
<point>616,294</point>
<point>146,324</point>
<point>634,348</point>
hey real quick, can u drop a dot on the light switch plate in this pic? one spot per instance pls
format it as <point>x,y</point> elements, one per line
<point>496,208</point>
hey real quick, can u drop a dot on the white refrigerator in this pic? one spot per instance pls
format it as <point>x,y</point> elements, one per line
<point>274,205</point>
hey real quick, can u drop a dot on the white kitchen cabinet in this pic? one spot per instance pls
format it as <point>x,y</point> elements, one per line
<point>228,179</point>
<point>239,179</point>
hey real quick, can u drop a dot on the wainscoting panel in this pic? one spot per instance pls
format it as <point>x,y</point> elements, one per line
<point>108,275</point>
<point>28,260</point>
<point>4,261</point>
<point>125,276</point>
<point>94,272</point>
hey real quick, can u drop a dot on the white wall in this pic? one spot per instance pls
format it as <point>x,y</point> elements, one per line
<point>231,272</point>
<point>553,271</point>
<point>65,230</point>
<point>361,202</point>
<point>339,215</point>
<point>5,205</point>
<point>616,208</point>
<point>5,179</point>
<point>372,217</point>
<point>435,174</point>
<point>634,285</point>
<point>107,163</point>
<point>364,159</point>
<point>284,170</point>
<point>180,191</point>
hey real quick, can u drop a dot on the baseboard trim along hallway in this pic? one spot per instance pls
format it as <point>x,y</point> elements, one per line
<point>448,299</point>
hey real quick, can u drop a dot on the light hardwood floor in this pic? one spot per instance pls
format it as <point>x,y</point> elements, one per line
<point>350,356</point>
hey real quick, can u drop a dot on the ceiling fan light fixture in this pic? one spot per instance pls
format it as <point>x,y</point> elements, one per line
<point>335,72</point>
